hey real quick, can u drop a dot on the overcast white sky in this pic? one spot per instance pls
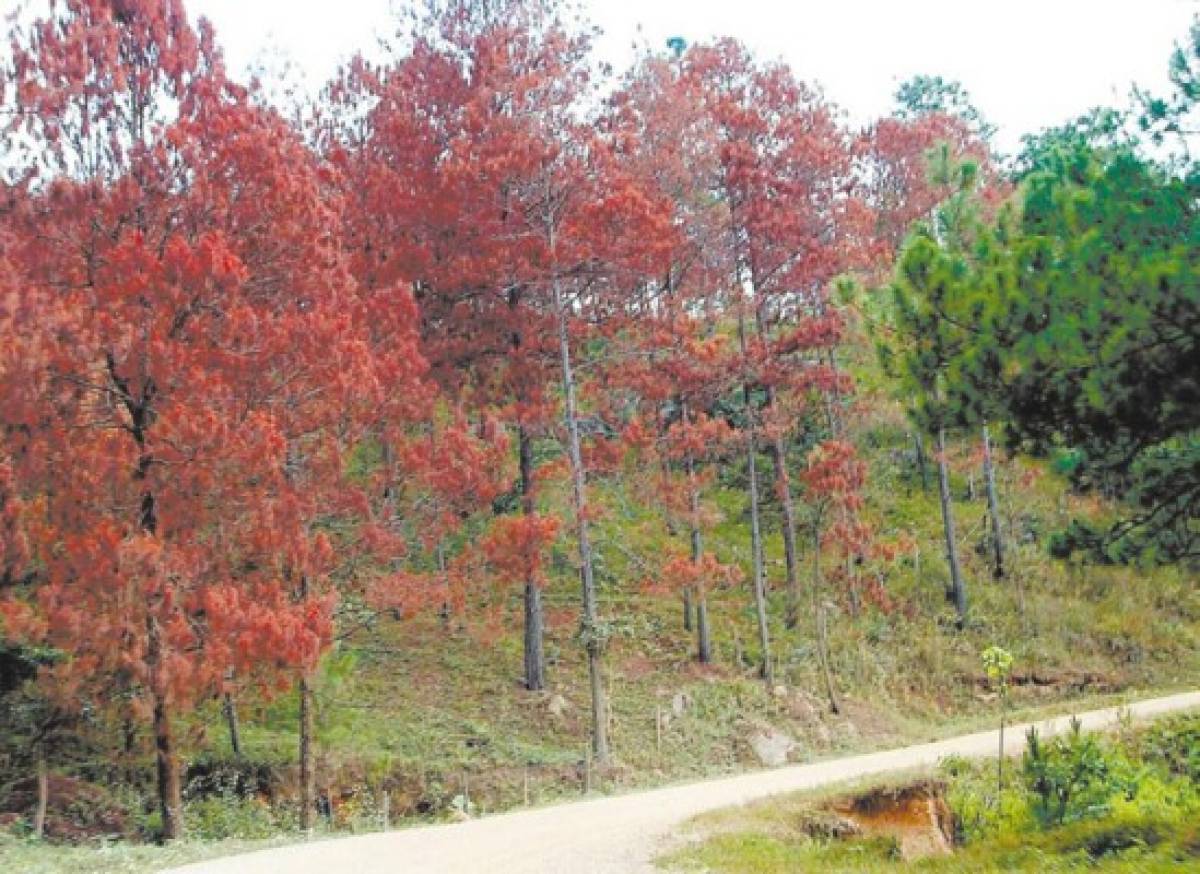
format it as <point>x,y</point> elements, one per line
<point>1027,63</point>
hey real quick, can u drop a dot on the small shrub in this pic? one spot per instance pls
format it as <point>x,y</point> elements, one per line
<point>1175,745</point>
<point>219,817</point>
<point>1075,777</point>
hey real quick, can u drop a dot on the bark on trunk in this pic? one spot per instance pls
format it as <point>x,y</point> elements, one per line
<point>703,642</point>
<point>43,795</point>
<point>833,401</point>
<point>835,704</point>
<point>170,795</point>
<point>765,669</point>
<point>590,625</point>
<point>784,485</point>
<point>922,464</point>
<point>958,589</point>
<point>308,783</point>
<point>170,792</point>
<point>308,787</point>
<point>688,608</point>
<point>534,630</point>
<point>231,719</point>
<point>535,658</point>
<point>703,635</point>
<point>993,500</point>
<point>444,579</point>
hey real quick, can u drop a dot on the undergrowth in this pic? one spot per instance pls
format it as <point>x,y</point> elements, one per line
<point>1079,802</point>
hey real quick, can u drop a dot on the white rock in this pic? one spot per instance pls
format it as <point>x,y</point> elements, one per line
<point>771,746</point>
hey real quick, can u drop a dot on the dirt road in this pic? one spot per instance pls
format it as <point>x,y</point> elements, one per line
<point>619,834</point>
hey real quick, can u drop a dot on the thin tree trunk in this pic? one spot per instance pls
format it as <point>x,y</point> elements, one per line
<point>833,404</point>
<point>703,642</point>
<point>444,610</point>
<point>688,608</point>
<point>703,635</point>
<point>43,794</point>
<point>590,624</point>
<point>170,794</point>
<point>989,480</point>
<point>231,719</point>
<point>308,788</point>
<point>308,783</point>
<point>835,704</point>
<point>535,657</point>
<point>784,486</point>
<point>958,589</point>
<point>922,464</point>
<point>765,670</point>
<point>534,630</point>
<point>129,746</point>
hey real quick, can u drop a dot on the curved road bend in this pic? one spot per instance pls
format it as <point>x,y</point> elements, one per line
<point>618,834</point>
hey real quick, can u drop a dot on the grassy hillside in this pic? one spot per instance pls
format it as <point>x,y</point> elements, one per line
<point>433,709</point>
<point>430,710</point>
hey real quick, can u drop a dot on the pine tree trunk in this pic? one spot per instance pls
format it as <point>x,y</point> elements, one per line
<point>231,719</point>
<point>444,579</point>
<point>835,704</point>
<point>703,642</point>
<point>170,792</point>
<point>958,589</point>
<point>922,464</point>
<point>535,659</point>
<point>308,788</point>
<point>784,486</point>
<point>43,794</point>
<point>308,783</point>
<point>170,795</point>
<point>703,635</point>
<point>129,747</point>
<point>833,404</point>
<point>989,480</point>
<point>688,608</point>
<point>590,624</point>
<point>534,630</point>
<point>765,670</point>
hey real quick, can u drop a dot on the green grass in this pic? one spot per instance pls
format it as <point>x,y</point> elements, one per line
<point>1139,811</point>
<point>22,856</point>
<point>1173,849</point>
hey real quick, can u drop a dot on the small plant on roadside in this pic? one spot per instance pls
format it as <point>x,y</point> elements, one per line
<point>998,662</point>
<point>1075,777</point>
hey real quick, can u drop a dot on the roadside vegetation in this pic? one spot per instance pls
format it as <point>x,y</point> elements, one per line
<point>1079,802</point>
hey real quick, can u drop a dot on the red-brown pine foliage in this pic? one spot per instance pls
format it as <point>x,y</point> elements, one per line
<point>187,363</point>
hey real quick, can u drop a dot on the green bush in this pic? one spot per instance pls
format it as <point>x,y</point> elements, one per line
<point>1076,777</point>
<point>1175,745</point>
<point>219,817</point>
